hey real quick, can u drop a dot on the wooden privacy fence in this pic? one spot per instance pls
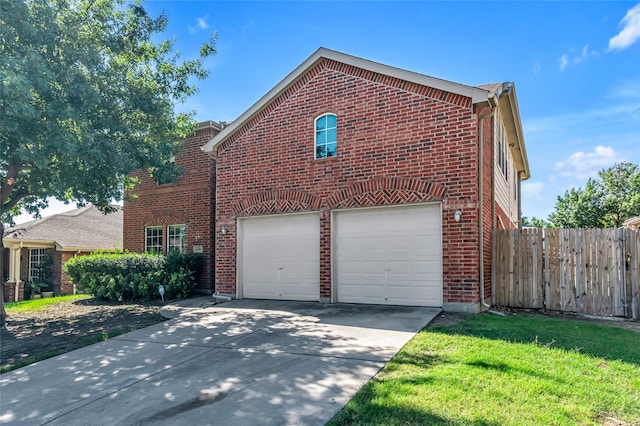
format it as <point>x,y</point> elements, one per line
<point>587,271</point>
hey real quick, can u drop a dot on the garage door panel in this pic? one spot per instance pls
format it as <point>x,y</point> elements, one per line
<point>280,257</point>
<point>389,255</point>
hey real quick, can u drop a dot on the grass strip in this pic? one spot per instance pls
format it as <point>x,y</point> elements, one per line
<point>35,305</point>
<point>517,370</point>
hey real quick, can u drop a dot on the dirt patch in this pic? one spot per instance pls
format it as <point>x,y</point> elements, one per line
<point>70,325</point>
<point>447,319</point>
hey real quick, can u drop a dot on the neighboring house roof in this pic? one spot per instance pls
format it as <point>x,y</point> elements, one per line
<point>490,94</point>
<point>632,222</point>
<point>86,228</point>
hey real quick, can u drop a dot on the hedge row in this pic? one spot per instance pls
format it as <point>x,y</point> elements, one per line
<point>134,276</point>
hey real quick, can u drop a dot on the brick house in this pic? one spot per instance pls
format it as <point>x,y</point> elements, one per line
<point>52,241</point>
<point>179,215</point>
<point>352,181</point>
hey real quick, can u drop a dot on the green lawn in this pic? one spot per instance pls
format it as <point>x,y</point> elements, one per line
<point>514,370</point>
<point>40,304</point>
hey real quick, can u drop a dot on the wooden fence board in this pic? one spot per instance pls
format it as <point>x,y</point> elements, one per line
<point>589,271</point>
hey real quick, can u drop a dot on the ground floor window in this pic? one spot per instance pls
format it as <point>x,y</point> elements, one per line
<point>36,263</point>
<point>176,238</point>
<point>153,240</point>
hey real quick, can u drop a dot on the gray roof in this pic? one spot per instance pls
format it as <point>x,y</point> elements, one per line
<point>83,228</point>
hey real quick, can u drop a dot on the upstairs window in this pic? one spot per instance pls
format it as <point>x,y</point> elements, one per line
<point>326,136</point>
<point>153,240</point>
<point>176,238</point>
<point>502,146</point>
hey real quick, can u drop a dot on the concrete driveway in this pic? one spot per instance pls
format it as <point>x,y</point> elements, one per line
<point>245,362</point>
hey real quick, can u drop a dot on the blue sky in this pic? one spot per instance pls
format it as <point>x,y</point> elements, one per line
<point>576,65</point>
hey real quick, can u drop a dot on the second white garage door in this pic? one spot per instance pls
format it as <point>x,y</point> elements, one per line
<point>389,255</point>
<point>279,257</point>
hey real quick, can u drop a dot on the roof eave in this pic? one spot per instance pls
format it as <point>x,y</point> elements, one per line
<point>509,110</point>
<point>27,243</point>
<point>83,249</point>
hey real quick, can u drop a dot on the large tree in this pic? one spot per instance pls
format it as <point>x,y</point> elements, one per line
<point>87,95</point>
<point>605,202</point>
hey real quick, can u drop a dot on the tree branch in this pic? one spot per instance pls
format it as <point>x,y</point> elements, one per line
<point>15,199</point>
<point>8,181</point>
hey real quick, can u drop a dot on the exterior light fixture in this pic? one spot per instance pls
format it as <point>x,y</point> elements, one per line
<point>224,230</point>
<point>457,215</point>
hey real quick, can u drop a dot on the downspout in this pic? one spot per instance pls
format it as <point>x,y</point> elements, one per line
<point>493,102</point>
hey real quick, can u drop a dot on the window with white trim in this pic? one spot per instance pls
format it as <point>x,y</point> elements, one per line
<point>153,240</point>
<point>502,147</point>
<point>36,261</point>
<point>326,136</point>
<point>176,238</point>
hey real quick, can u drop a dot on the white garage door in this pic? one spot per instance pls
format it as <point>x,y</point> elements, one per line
<point>389,255</point>
<point>279,257</point>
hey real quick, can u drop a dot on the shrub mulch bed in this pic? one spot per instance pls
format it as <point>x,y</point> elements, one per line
<point>70,325</point>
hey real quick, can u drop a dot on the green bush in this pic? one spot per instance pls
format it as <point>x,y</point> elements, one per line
<point>134,276</point>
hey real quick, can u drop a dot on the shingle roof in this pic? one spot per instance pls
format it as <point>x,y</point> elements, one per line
<point>86,228</point>
<point>490,87</point>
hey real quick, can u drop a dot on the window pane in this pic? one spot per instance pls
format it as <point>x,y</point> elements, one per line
<point>331,135</point>
<point>321,123</point>
<point>331,121</point>
<point>153,239</point>
<point>176,238</point>
<point>331,150</point>
<point>321,137</point>
<point>321,151</point>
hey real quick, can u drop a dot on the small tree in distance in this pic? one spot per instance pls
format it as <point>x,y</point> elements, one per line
<point>534,222</point>
<point>86,97</point>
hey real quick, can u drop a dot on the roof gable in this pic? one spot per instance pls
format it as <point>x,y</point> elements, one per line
<point>305,71</point>
<point>501,95</point>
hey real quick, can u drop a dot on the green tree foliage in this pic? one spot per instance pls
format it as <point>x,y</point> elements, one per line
<point>605,202</point>
<point>87,95</point>
<point>534,222</point>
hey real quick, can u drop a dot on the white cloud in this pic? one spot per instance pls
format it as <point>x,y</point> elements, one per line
<point>532,190</point>
<point>537,68</point>
<point>583,165</point>
<point>564,61</point>
<point>630,32</point>
<point>201,24</point>
<point>572,58</point>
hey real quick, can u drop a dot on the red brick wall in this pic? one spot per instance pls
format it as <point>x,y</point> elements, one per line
<point>9,292</point>
<point>65,284</point>
<point>190,201</point>
<point>487,176</point>
<point>397,143</point>
<point>502,219</point>
<point>57,271</point>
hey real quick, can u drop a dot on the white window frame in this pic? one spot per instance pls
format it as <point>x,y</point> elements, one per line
<point>325,130</point>
<point>502,148</point>
<point>180,237</point>
<point>157,246</point>
<point>36,260</point>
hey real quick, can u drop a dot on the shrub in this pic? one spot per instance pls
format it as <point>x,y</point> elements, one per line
<point>133,276</point>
